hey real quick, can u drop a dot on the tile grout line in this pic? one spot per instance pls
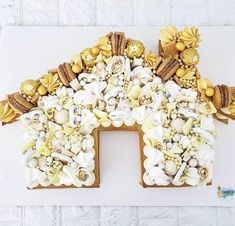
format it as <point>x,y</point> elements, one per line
<point>21,12</point>
<point>58,12</point>
<point>60,219</point>
<point>23,215</point>
<point>177,213</point>
<point>216,215</point>
<point>98,217</point>
<point>137,215</point>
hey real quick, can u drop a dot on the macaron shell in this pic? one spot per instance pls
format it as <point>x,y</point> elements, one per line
<point>66,74</point>
<point>222,96</point>
<point>18,103</point>
<point>71,75</point>
<point>162,66</point>
<point>171,72</point>
<point>217,98</point>
<point>167,68</point>
<point>227,96</point>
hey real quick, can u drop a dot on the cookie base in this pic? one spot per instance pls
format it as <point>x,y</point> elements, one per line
<point>96,135</point>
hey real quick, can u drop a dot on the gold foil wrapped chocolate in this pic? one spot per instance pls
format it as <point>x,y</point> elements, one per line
<point>134,48</point>
<point>29,87</point>
<point>50,82</point>
<point>190,57</point>
<point>190,37</point>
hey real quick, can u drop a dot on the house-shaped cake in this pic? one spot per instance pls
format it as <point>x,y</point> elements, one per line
<point>119,85</point>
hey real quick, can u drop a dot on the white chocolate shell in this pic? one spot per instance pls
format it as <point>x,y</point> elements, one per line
<point>204,154</point>
<point>192,177</point>
<point>105,122</point>
<point>172,88</point>
<point>87,143</point>
<point>88,77</point>
<point>61,117</point>
<point>84,159</point>
<point>62,157</point>
<point>49,102</point>
<point>177,124</point>
<point>207,136</point>
<point>157,176</point>
<point>139,114</point>
<point>84,97</point>
<point>95,87</point>
<point>188,126</point>
<point>100,114</point>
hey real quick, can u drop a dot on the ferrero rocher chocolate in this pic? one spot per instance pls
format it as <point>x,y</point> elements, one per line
<point>134,48</point>
<point>190,57</point>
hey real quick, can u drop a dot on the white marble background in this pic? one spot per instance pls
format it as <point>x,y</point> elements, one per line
<point>116,13</point>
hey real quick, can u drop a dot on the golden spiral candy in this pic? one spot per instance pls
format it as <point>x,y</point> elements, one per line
<point>29,87</point>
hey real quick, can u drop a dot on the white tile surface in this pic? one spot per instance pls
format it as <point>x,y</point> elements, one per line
<point>129,12</point>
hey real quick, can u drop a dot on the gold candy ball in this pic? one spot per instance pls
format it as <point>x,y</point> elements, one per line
<point>95,50</point>
<point>42,90</point>
<point>180,46</point>
<point>190,57</point>
<point>209,92</point>
<point>76,68</point>
<point>180,72</point>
